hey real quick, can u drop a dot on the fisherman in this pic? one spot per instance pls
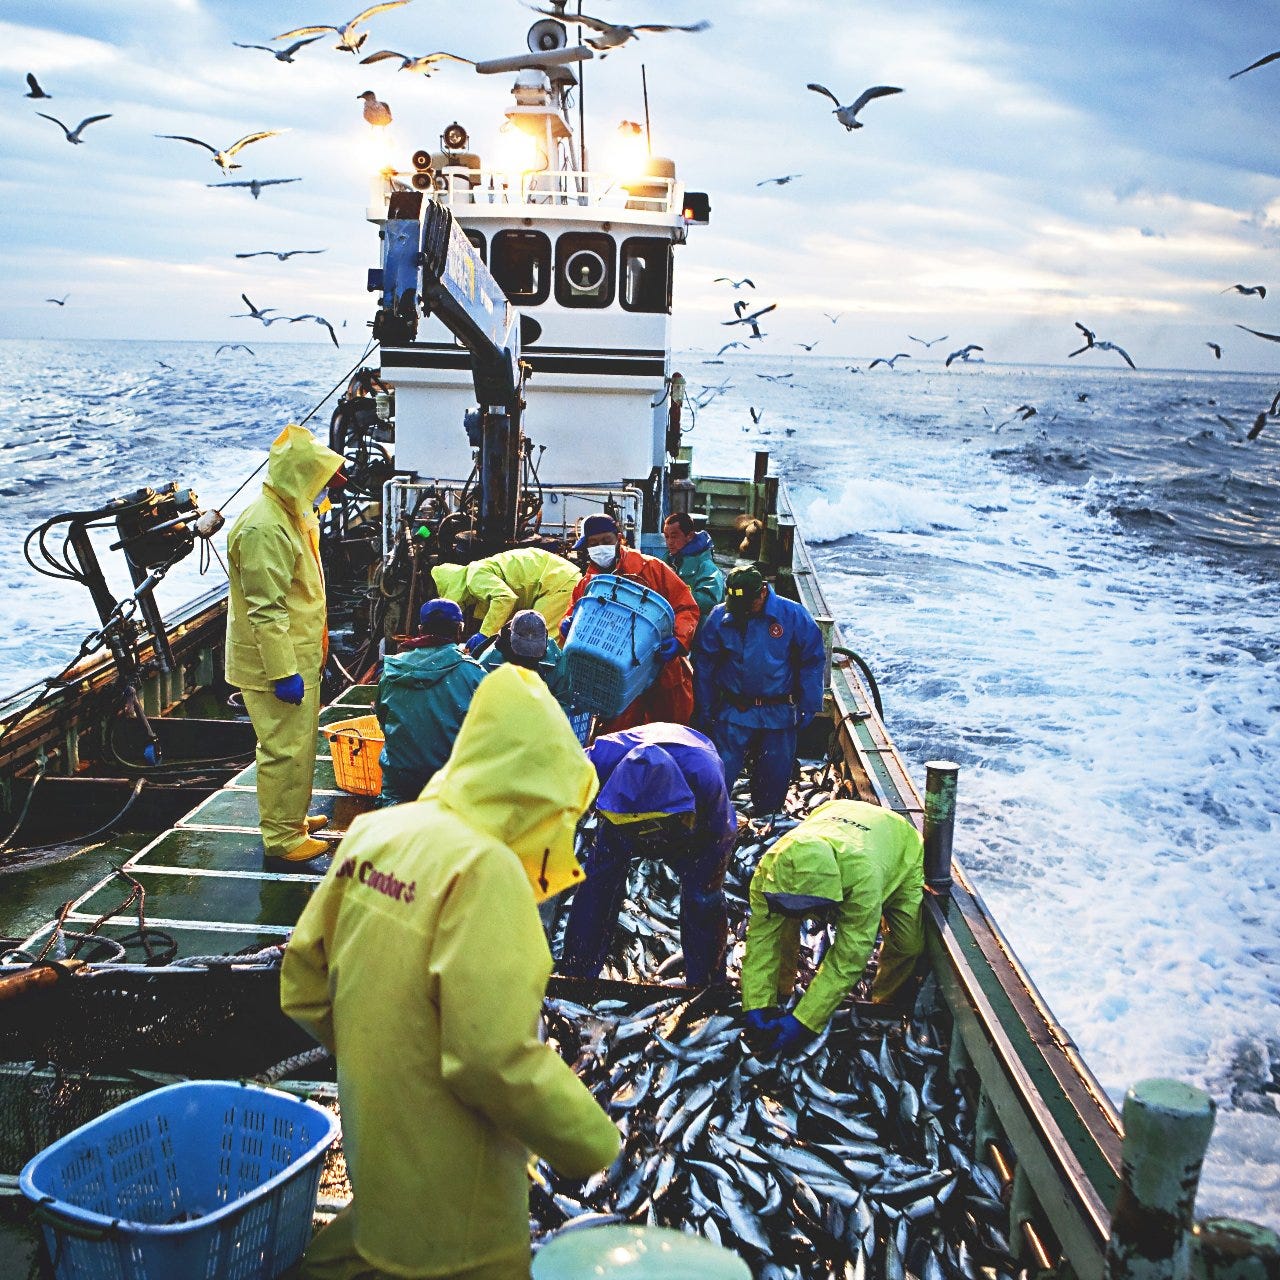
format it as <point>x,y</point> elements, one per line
<point>670,698</point>
<point>662,796</point>
<point>689,553</point>
<point>278,636</point>
<point>523,640</point>
<point>421,965</point>
<point>759,681</point>
<point>498,585</point>
<point>423,697</point>
<point>848,861</point>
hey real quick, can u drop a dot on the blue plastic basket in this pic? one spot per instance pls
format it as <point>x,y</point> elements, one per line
<point>201,1180</point>
<point>612,647</point>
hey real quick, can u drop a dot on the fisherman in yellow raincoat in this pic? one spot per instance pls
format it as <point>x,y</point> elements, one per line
<point>498,585</point>
<point>420,962</point>
<point>278,635</point>
<point>848,861</point>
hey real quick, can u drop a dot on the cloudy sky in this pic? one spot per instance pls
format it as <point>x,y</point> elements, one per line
<point>1047,162</point>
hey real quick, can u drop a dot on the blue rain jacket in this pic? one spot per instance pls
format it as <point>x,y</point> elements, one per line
<point>553,669</point>
<point>776,653</point>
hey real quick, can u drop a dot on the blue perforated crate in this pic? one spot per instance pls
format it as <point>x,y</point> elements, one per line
<point>199,1180</point>
<point>612,647</point>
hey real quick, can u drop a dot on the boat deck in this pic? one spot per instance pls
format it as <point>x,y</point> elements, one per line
<point>204,882</point>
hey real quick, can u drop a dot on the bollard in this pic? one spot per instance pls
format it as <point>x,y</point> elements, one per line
<point>1166,1130</point>
<point>939,822</point>
<point>1228,1249</point>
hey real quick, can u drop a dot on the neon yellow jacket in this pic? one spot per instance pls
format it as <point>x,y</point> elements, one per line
<point>276,620</point>
<point>854,856</point>
<point>421,962</point>
<point>505,582</point>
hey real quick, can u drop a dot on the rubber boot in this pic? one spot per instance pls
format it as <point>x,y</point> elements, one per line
<point>317,820</point>
<point>303,852</point>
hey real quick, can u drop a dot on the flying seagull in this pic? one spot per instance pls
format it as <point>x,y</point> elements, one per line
<point>376,113</point>
<point>1257,333</point>
<point>283,254</point>
<point>729,345</point>
<point>613,35</point>
<point>1260,421</point>
<point>1120,351</point>
<point>254,313</point>
<point>348,41</point>
<point>59,302</point>
<point>427,63</point>
<point>318,319</point>
<point>280,55</point>
<point>1216,349</point>
<point>833,318</point>
<point>779,182</point>
<point>1253,66</point>
<point>35,91</point>
<point>73,135</point>
<point>234,346</point>
<point>254,184</point>
<point>1089,339</point>
<point>223,159</point>
<point>891,361</point>
<point>965,354</point>
<point>926,343</point>
<point>848,116</point>
<point>808,346</point>
<point>737,284</point>
<point>751,319</point>
<point>775,377</point>
<point>1249,290</point>
<point>756,414</point>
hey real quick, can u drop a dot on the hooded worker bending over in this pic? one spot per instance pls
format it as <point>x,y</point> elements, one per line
<point>670,698</point>
<point>850,862</point>
<point>278,636</point>
<point>524,641</point>
<point>662,795</point>
<point>495,587</point>
<point>421,964</point>
<point>423,697</point>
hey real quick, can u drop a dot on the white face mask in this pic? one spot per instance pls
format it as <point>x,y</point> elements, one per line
<point>603,557</point>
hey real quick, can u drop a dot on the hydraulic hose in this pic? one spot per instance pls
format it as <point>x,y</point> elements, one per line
<point>866,672</point>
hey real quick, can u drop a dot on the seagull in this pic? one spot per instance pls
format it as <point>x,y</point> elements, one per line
<point>283,254</point>
<point>1257,333</point>
<point>162,364</point>
<point>35,90</point>
<point>613,35</point>
<point>254,313</point>
<point>926,343</point>
<point>775,377</point>
<point>348,41</point>
<point>234,346</point>
<point>318,319</point>
<point>1261,420</point>
<point>808,346</point>
<point>889,360</point>
<point>1089,339</point>
<point>965,354</point>
<point>376,113</point>
<point>1216,349</point>
<point>833,318</point>
<point>730,345</point>
<point>848,115</point>
<point>73,135</point>
<point>737,284</point>
<point>1120,351</point>
<point>1249,290</point>
<point>426,64</point>
<point>280,55</point>
<point>751,319</point>
<point>779,182</point>
<point>855,368</point>
<point>59,302</point>
<point>254,184</point>
<point>223,159</point>
<point>1253,66</point>
<point>756,414</point>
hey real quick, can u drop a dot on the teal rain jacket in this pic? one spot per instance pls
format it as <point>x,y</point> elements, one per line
<point>553,669</point>
<point>698,572</point>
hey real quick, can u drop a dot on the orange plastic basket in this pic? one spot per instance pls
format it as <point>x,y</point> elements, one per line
<point>355,746</point>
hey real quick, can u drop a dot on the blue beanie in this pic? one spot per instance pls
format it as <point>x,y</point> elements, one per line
<point>439,616</point>
<point>593,525</point>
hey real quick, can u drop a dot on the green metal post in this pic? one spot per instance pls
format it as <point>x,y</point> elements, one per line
<point>939,822</point>
<point>1228,1249</point>
<point>1166,1130</point>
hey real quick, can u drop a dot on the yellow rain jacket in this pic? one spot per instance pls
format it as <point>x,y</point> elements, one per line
<point>421,962</point>
<point>276,622</point>
<point>526,578</point>
<point>865,862</point>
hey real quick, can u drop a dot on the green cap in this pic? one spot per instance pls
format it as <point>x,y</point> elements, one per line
<point>741,588</point>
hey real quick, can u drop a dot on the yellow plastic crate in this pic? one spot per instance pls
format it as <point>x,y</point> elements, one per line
<point>355,746</point>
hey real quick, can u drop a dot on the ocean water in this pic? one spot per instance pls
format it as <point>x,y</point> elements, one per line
<point>1080,608</point>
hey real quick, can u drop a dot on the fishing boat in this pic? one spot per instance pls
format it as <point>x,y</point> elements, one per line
<point>525,380</point>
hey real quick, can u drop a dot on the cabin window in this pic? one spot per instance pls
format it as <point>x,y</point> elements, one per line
<point>584,269</point>
<point>646,274</point>
<point>521,264</point>
<point>478,242</point>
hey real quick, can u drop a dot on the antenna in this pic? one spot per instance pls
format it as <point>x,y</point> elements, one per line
<point>582,98</point>
<point>644,85</point>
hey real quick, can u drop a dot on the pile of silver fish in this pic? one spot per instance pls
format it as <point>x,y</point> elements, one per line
<point>852,1160</point>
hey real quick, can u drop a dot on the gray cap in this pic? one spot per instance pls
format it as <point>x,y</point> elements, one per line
<point>528,634</point>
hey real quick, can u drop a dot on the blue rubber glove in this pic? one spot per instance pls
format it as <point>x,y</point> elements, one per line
<point>670,648</point>
<point>793,1035</point>
<point>565,623</point>
<point>291,689</point>
<point>761,1031</point>
<point>761,1019</point>
<point>476,642</point>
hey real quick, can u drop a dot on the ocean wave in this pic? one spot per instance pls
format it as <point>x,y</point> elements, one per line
<point>882,506</point>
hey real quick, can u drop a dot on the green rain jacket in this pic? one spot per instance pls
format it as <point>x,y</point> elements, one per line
<point>553,668</point>
<point>510,580</point>
<point>862,860</point>
<point>276,620</point>
<point>423,696</point>
<point>698,571</point>
<point>421,963</point>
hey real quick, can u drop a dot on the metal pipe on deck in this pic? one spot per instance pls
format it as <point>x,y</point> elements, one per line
<point>1229,1249</point>
<point>1166,1131</point>
<point>500,480</point>
<point>939,823</point>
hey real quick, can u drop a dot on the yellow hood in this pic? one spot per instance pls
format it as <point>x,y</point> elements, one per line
<point>518,774</point>
<point>298,468</point>
<point>451,583</point>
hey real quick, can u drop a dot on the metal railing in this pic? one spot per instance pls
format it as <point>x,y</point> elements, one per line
<point>458,186</point>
